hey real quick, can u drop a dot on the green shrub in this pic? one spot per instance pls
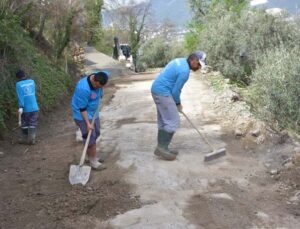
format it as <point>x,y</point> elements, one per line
<point>275,90</point>
<point>235,42</point>
<point>156,53</point>
<point>17,51</point>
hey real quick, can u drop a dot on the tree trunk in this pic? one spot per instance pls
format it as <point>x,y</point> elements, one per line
<point>42,26</point>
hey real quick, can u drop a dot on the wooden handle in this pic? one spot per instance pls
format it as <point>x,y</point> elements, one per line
<point>202,135</point>
<point>88,138</point>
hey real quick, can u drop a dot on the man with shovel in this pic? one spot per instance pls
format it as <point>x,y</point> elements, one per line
<point>85,103</point>
<point>28,108</point>
<point>166,90</point>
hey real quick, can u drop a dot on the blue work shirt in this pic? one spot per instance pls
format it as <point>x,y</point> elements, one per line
<point>171,80</point>
<point>26,95</point>
<point>86,98</point>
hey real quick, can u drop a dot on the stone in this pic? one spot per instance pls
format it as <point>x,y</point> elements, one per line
<point>289,165</point>
<point>222,196</point>
<point>238,133</point>
<point>255,133</point>
<point>235,97</point>
<point>274,172</point>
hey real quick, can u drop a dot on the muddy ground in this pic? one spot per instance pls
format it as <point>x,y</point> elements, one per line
<point>35,192</point>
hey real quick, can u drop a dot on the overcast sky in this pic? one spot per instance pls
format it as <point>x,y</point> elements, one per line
<point>257,2</point>
<point>124,2</point>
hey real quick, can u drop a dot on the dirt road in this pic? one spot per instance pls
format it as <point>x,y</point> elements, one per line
<point>138,190</point>
<point>233,192</point>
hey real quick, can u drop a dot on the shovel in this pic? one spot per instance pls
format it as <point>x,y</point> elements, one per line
<point>80,174</point>
<point>216,153</point>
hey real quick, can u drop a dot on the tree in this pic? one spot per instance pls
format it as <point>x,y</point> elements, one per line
<point>200,8</point>
<point>93,19</point>
<point>131,17</point>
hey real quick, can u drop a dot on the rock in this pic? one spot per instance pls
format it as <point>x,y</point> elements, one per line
<point>1,154</point>
<point>296,159</point>
<point>235,97</point>
<point>295,198</point>
<point>276,177</point>
<point>262,215</point>
<point>286,159</point>
<point>238,133</point>
<point>274,172</point>
<point>260,139</point>
<point>283,136</point>
<point>289,165</point>
<point>222,196</point>
<point>255,133</point>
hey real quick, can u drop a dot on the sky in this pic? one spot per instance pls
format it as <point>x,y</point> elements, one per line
<point>257,2</point>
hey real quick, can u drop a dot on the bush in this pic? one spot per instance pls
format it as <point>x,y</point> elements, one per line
<point>17,51</point>
<point>156,53</point>
<point>235,42</point>
<point>275,90</point>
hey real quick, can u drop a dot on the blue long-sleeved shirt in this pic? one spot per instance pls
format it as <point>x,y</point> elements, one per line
<point>172,79</point>
<point>85,98</point>
<point>26,95</point>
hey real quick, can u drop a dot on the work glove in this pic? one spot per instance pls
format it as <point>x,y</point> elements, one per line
<point>20,111</point>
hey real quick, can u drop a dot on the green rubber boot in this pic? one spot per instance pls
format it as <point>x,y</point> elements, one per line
<point>163,139</point>
<point>31,135</point>
<point>23,139</point>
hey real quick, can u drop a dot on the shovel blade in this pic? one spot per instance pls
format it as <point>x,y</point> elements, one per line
<point>79,174</point>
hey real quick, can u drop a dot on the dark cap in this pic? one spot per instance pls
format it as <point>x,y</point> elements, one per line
<point>20,74</point>
<point>101,77</point>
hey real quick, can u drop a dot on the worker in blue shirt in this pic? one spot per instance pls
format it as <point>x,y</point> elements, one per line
<point>28,108</point>
<point>166,90</point>
<point>85,102</point>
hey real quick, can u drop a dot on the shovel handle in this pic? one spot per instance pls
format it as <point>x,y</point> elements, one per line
<point>88,139</point>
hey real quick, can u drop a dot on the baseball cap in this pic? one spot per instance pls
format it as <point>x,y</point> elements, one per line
<point>201,57</point>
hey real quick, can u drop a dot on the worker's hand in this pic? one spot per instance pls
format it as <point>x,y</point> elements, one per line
<point>20,111</point>
<point>89,127</point>
<point>179,108</point>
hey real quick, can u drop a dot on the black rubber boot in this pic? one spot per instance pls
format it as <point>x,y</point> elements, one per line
<point>163,140</point>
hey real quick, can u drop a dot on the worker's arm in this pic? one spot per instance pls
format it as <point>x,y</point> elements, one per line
<point>86,119</point>
<point>20,96</point>
<point>181,80</point>
<point>82,101</point>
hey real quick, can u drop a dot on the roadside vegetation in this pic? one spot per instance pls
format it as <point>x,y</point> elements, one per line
<point>40,37</point>
<point>255,50</point>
